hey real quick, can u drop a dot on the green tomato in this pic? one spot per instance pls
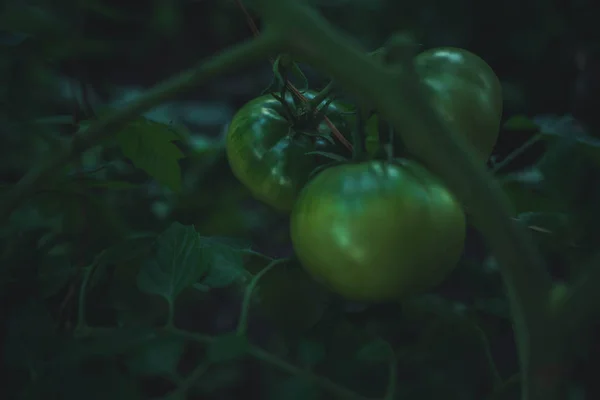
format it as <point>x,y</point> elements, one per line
<point>267,151</point>
<point>377,231</point>
<point>466,92</point>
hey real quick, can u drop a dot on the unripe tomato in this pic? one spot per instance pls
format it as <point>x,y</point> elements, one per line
<point>377,231</point>
<point>466,92</point>
<point>267,152</point>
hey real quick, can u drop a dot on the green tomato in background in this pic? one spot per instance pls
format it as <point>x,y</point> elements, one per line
<point>466,92</point>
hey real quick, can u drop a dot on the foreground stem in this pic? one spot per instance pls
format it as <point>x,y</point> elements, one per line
<point>398,94</point>
<point>252,51</point>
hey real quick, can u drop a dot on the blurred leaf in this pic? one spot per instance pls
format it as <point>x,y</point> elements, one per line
<point>135,309</point>
<point>159,358</point>
<point>110,184</point>
<point>101,379</point>
<point>226,264</point>
<point>12,38</point>
<point>178,263</point>
<point>526,191</point>
<point>31,338</point>
<point>167,16</point>
<point>375,352</point>
<point>99,7</point>
<point>550,228</point>
<point>295,388</point>
<point>221,376</point>
<point>227,347</point>
<point>569,186</point>
<point>291,298</point>
<point>55,271</point>
<point>129,248</point>
<point>149,145</point>
<point>106,342</point>
<point>30,20</point>
<point>311,353</point>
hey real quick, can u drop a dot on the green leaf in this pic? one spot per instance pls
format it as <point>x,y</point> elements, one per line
<point>110,184</point>
<point>291,298</point>
<point>31,337</point>
<point>31,20</point>
<point>129,248</point>
<point>226,265</point>
<point>167,16</point>
<point>159,358</point>
<point>227,347</point>
<point>311,353</point>
<point>149,145</point>
<point>55,271</point>
<point>295,388</point>
<point>108,342</point>
<point>178,263</point>
<point>374,352</point>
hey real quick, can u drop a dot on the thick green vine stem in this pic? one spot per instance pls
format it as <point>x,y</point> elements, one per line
<point>249,52</point>
<point>243,322</point>
<point>397,93</point>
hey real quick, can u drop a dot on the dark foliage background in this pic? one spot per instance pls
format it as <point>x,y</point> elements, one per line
<point>63,63</point>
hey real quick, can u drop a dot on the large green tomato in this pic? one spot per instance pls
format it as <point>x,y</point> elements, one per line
<point>267,152</point>
<point>466,92</point>
<point>377,231</point>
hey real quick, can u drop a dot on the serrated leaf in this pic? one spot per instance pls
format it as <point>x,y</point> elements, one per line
<point>149,145</point>
<point>178,263</point>
<point>374,352</point>
<point>160,358</point>
<point>226,265</point>
<point>227,347</point>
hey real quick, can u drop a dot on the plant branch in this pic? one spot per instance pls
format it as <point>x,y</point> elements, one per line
<point>271,359</point>
<point>401,98</point>
<point>228,61</point>
<point>243,322</point>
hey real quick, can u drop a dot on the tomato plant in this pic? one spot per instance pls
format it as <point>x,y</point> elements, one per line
<point>466,92</point>
<point>377,231</point>
<point>267,146</point>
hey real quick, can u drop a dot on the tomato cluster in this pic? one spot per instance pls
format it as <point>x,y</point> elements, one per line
<point>375,230</point>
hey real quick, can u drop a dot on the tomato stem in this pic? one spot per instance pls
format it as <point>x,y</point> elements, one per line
<point>322,95</point>
<point>359,137</point>
<point>336,133</point>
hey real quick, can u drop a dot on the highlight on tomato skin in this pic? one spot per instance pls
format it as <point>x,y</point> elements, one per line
<point>267,152</point>
<point>377,231</point>
<point>466,92</point>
